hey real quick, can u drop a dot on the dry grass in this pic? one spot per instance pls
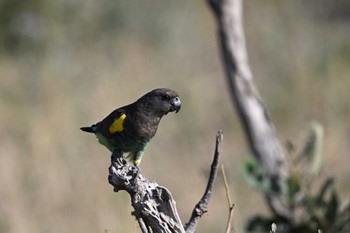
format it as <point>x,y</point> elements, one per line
<point>54,178</point>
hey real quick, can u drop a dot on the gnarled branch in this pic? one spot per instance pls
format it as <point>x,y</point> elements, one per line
<point>154,205</point>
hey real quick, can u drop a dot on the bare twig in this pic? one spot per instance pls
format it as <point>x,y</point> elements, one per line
<point>229,220</point>
<point>228,195</point>
<point>230,204</point>
<point>202,206</point>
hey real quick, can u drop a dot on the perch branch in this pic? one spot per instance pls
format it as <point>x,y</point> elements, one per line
<point>259,129</point>
<point>154,205</point>
<point>202,206</point>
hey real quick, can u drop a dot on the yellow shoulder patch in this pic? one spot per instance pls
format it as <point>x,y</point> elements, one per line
<point>117,125</point>
<point>137,162</point>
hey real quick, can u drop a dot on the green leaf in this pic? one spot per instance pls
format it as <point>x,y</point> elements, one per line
<point>313,147</point>
<point>294,186</point>
<point>255,176</point>
<point>317,157</point>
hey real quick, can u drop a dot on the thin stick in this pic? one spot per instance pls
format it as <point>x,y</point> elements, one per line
<point>230,216</point>
<point>228,196</point>
<point>202,206</point>
<point>226,185</point>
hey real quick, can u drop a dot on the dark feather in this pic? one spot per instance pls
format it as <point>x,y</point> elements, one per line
<point>87,129</point>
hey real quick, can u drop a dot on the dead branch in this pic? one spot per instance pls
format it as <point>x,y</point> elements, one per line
<point>154,206</point>
<point>202,206</point>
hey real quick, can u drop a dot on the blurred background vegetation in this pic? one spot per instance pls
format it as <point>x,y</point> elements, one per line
<point>66,64</point>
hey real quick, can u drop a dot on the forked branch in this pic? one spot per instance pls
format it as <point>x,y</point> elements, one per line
<point>154,205</point>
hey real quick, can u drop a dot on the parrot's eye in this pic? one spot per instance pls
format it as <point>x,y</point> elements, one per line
<point>166,97</point>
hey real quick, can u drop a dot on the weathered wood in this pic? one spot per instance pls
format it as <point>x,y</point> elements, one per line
<point>154,205</point>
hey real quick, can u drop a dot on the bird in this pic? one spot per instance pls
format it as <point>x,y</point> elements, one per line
<point>130,128</point>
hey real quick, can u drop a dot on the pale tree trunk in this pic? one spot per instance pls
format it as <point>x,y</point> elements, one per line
<point>257,125</point>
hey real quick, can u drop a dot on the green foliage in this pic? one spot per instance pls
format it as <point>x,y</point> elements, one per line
<point>314,202</point>
<point>313,148</point>
<point>255,176</point>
